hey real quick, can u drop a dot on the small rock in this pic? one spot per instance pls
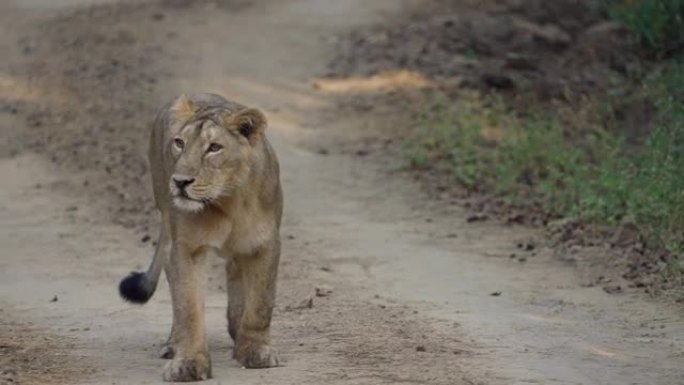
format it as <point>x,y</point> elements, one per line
<point>515,218</point>
<point>323,291</point>
<point>145,238</point>
<point>605,27</point>
<point>563,223</point>
<point>54,299</point>
<point>420,348</point>
<point>520,62</point>
<point>476,218</point>
<point>495,294</point>
<point>498,81</point>
<point>527,246</point>
<point>612,289</point>
<point>548,33</point>
<point>305,304</point>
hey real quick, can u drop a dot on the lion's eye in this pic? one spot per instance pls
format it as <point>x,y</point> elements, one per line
<point>179,143</point>
<point>214,147</point>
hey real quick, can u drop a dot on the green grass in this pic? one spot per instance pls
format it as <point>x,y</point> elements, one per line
<point>587,173</point>
<point>657,25</point>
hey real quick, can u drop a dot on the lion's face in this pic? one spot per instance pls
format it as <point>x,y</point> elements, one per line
<point>211,157</point>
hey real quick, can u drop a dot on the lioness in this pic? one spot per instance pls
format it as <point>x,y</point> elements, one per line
<point>216,183</point>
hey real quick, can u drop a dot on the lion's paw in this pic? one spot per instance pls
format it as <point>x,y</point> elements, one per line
<point>256,357</point>
<point>188,369</point>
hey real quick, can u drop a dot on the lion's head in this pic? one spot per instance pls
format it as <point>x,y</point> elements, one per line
<point>210,150</point>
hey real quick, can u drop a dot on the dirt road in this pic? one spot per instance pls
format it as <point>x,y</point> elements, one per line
<point>418,295</point>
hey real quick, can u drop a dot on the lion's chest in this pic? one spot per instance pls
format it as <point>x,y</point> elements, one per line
<point>204,232</point>
<point>241,235</point>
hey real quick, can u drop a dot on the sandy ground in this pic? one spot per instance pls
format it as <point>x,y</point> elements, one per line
<point>418,294</point>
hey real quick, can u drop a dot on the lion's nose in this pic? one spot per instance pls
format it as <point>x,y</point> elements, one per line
<point>182,182</point>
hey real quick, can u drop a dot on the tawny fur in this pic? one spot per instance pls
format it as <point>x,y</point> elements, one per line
<point>233,206</point>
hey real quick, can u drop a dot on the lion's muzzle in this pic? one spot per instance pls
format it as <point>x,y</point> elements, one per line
<point>182,182</point>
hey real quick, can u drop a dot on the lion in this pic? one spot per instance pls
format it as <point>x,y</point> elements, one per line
<point>216,184</point>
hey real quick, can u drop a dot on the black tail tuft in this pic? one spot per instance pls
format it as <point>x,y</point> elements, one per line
<point>136,288</point>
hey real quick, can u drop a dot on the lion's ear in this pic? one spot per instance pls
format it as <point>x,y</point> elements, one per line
<point>183,108</point>
<point>249,123</point>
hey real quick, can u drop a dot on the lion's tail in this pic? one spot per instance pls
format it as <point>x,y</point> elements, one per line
<point>138,287</point>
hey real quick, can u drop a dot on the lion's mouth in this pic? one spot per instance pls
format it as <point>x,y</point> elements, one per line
<point>183,194</point>
<point>185,203</point>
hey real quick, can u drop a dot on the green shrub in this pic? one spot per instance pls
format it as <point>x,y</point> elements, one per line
<point>658,25</point>
<point>481,145</point>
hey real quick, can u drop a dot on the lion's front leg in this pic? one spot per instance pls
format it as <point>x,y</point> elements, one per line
<point>258,275</point>
<point>236,297</point>
<point>191,360</point>
<point>168,349</point>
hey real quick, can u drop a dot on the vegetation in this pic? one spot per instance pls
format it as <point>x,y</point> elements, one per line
<point>581,169</point>
<point>583,163</point>
<point>658,25</point>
